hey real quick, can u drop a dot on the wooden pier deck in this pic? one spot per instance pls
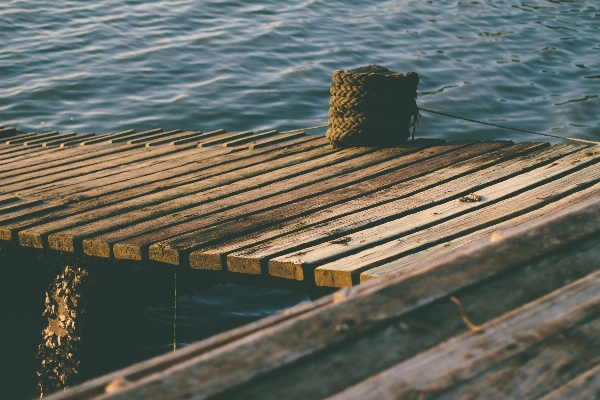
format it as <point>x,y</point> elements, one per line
<point>489,254</point>
<point>281,209</point>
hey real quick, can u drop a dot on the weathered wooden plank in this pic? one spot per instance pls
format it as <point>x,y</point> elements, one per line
<point>38,136</point>
<point>179,136</point>
<point>359,192</point>
<point>212,167</point>
<point>125,138</point>
<point>334,369</point>
<point>106,136</point>
<point>76,140</point>
<point>585,387</point>
<point>248,139</point>
<point>226,138</point>
<point>555,324</point>
<point>7,132</point>
<point>291,190</point>
<point>15,152</point>
<point>197,139</point>
<point>17,204</point>
<point>419,163</point>
<point>126,154</point>
<point>144,208</point>
<point>345,271</point>
<point>59,157</point>
<point>7,140</point>
<point>393,267</point>
<point>96,387</point>
<point>159,135</point>
<point>42,142</point>
<point>356,312</point>
<point>307,259</point>
<point>180,187</point>
<point>183,160</point>
<point>282,138</point>
<point>405,198</point>
<point>8,199</point>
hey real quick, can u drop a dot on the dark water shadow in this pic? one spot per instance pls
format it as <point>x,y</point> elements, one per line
<point>64,320</point>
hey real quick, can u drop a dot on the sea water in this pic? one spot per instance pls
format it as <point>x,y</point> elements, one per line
<point>112,65</point>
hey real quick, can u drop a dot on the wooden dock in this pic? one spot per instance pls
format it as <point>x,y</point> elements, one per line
<point>514,317</point>
<point>489,254</point>
<point>278,209</point>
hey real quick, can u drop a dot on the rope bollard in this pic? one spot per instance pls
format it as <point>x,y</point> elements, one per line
<point>371,106</point>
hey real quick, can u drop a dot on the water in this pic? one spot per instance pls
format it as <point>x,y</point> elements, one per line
<point>114,65</point>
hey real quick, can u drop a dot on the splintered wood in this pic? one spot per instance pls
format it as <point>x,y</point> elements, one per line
<point>284,208</point>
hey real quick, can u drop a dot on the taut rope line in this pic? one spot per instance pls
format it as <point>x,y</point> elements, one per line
<point>473,120</point>
<point>511,128</point>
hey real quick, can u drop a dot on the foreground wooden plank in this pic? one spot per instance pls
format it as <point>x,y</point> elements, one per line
<point>454,369</point>
<point>345,271</point>
<point>584,387</point>
<point>197,139</point>
<point>311,257</point>
<point>393,267</point>
<point>354,313</point>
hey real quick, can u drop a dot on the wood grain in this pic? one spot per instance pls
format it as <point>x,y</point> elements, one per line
<point>393,267</point>
<point>319,254</point>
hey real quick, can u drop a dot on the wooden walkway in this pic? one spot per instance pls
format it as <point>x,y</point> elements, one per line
<point>277,208</point>
<point>514,317</point>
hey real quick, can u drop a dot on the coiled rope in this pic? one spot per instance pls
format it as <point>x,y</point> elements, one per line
<point>371,106</point>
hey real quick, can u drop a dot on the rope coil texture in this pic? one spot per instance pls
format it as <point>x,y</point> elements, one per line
<point>371,106</point>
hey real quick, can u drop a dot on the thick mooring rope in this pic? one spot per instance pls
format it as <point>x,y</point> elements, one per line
<point>371,106</point>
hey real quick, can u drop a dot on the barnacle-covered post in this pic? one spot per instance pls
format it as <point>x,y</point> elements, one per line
<point>371,106</point>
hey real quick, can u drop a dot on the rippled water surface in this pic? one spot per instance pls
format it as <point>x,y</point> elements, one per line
<point>111,65</point>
